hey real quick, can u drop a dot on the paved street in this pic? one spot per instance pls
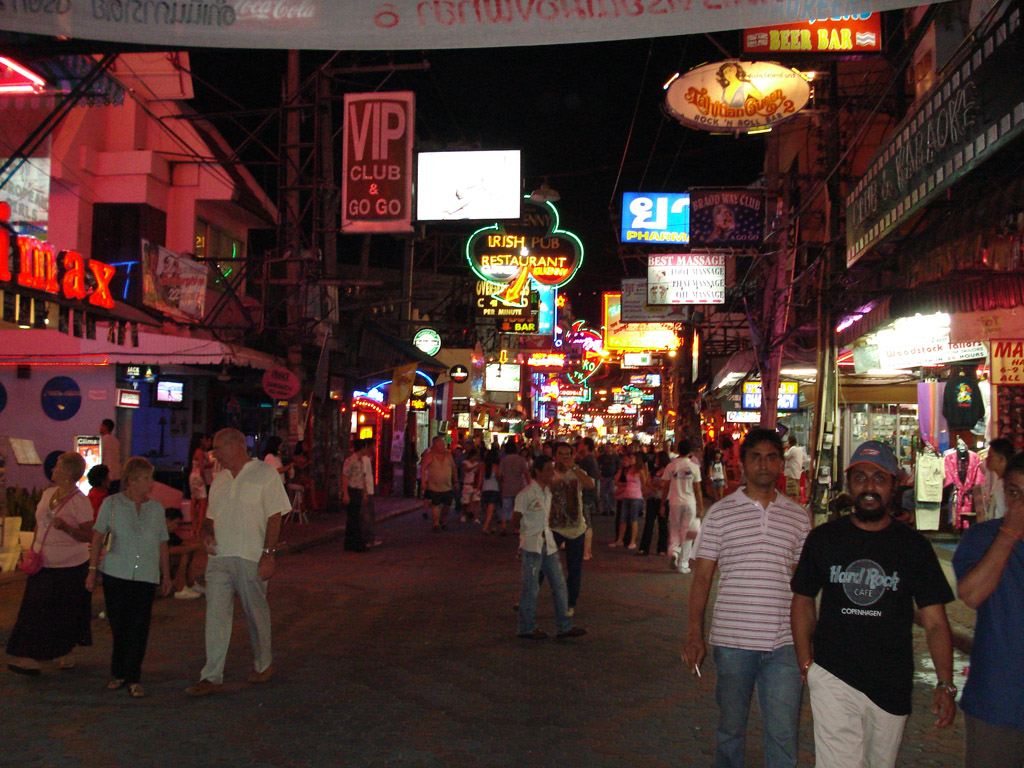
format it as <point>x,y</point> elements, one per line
<point>406,656</point>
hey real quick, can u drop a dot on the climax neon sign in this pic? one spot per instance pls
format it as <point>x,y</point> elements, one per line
<point>42,268</point>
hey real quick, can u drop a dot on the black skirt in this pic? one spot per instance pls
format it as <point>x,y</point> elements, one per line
<point>54,616</point>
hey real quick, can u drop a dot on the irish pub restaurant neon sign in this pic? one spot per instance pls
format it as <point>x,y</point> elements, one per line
<point>41,267</point>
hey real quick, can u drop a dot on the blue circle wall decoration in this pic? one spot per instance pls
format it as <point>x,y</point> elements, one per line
<point>61,398</point>
<point>49,463</point>
<point>3,398</point>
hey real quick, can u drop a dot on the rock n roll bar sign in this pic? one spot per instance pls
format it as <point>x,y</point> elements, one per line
<point>406,24</point>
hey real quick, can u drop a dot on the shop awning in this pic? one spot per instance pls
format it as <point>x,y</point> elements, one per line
<point>46,347</point>
<point>856,394</point>
<point>412,353</point>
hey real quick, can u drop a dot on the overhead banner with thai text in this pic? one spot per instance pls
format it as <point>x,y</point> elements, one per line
<point>406,24</point>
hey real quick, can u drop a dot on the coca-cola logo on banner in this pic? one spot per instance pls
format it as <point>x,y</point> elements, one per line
<point>293,13</point>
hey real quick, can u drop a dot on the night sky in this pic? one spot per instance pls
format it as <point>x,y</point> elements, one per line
<point>570,109</point>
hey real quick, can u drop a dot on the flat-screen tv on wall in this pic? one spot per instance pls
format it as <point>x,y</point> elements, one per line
<point>169,392</point>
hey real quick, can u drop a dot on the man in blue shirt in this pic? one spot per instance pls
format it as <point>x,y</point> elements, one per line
<point>989,566</point>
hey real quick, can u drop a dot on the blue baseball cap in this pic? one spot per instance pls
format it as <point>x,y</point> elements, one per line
<point>876,453</point>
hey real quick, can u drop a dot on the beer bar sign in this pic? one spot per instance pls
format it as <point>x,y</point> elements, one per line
<point>859,33</point>
<point>377,162</point>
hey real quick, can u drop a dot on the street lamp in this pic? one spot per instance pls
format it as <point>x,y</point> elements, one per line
<point>544,193</point>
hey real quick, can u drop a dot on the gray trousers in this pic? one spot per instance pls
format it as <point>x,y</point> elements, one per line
<point>225,578</point>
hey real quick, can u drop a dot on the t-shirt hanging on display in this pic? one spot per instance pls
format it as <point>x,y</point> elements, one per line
<point>962,404</point>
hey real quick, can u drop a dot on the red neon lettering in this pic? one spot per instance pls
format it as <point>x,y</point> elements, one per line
<point>104,273</point>
<point>5,253</point>
<point>74,275</point>
<point>38,266</point>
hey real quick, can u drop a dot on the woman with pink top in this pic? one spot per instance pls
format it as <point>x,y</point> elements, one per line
<point>55,609</point>
<point>631,481</point>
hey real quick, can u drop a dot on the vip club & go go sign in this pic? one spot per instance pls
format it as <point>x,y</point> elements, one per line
<point>376,191</point>
<point>534,247</point>
<point>737,96</point>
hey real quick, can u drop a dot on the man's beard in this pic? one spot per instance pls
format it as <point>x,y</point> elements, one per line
<point>869,515</point>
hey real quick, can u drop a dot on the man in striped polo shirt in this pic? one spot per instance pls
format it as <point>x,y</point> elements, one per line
<point>754,537</point>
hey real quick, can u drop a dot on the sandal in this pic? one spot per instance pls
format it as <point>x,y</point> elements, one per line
<point>136,690</point>
<point>115,684</point>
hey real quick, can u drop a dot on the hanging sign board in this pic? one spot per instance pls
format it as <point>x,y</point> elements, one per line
<point>376,191</point>
<point>860,33</point>
<point>737,96</point>
<point>655,218</point>
<point>726,218</point>
<point>634,337</point>
<point>280,384</point>
<point>427,341</point>
<point>1008,361</point>
<point>534,249</point>
<point>128,398</point>
<point>500,377</point>
<point>789,396</point>
<point>686,278</point>
<point>173,284</point>
<point>637,309</point>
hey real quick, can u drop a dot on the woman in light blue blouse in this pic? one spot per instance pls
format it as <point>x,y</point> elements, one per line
<point>135,563</point>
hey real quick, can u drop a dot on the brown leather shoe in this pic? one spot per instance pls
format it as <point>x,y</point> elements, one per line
<point>574,632</point>
<point>203,688</point>
<point>537,634</point>
<point>262,677</point>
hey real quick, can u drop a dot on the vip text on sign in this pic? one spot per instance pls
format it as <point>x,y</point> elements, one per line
<point>377,162</point>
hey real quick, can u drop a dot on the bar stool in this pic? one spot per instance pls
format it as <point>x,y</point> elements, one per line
<point>298,494</point>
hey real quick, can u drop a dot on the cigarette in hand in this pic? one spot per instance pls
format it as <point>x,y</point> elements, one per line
<point>696,670</point>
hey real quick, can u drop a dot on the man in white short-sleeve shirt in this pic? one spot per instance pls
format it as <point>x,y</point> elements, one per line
<point>681,493</point>
<point>240,534</point>
<point>754,538</point>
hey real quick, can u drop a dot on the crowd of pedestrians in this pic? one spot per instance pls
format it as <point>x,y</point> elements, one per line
<point>829,608</point>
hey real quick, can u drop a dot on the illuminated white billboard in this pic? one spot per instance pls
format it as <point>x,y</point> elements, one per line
<point>502,377</point>
<point>453,186</point>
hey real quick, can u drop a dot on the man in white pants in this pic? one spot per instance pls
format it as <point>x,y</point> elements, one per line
<point>240,534</point>
<point>681,492</point>
<point>856,654</point>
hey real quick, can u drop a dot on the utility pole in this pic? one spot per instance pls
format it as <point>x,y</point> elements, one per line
<point>778,282</point>
<point>825,435</point>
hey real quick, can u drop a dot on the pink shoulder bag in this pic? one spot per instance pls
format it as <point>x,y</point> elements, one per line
<point>32,559</point>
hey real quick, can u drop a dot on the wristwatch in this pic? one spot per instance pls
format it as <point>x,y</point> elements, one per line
<point>947,687</point>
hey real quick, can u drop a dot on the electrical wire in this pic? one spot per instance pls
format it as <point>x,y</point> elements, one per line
<point>632,125</point>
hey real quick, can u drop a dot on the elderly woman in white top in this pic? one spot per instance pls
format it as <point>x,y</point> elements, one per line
<point>55,609</point>
<point>136,562</point>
